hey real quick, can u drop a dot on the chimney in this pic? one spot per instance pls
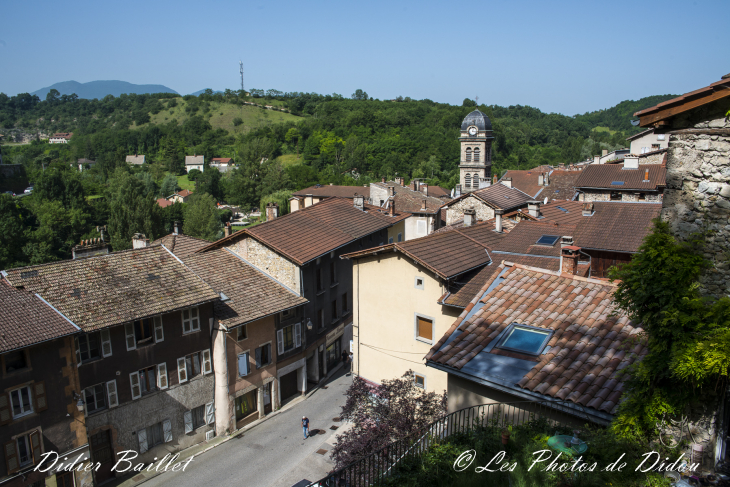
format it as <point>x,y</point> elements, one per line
<point>424,188</point>
<point>569,259</point>
<point>331,184</point>
<point>177,229</point>
<point>533,207</point>
<point>494,179</point>
<point>457,190</point>
<point>541,179</point>
<point>547,178</point>
<point>498,220</point>
<point>391,191</point>
<point>272,211</point>
<point>423,205</point>
<point>631,162</point>
<point>359,202</point>
<point>469,216</point>
<point>596,160</point>
<point>399,180</point>
<point>604,152</point>
<point>139,241</point>
<point>507,182</point>
<point>308,200</point>
<point>414,185</point>
<point>646,175</point>
<point>391,206</point>
<point>227,229</point>
<point>587,209</point>
<point>382,180</point>
<point>90,248</point>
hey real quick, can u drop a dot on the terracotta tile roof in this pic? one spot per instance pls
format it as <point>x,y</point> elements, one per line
<point>602,175</point>
<point>185,193</point>
<point>522,239</point>
<point>589,348</point>
<point>25,319</point>
<point>410,200</point>
<point>498,196</point>
<point>221,160</point>
<point>682,99</point>
<point>252,295</point>
<point>339,191</point>
<point>181,245</point>
<point>306,234</point>
<point>164,202</point>
<point>194,160</point>
<point>573,214</point>
<point>107,290</point>
<point>439,192</point>
<point>561,185</point>
<point>526,181</point>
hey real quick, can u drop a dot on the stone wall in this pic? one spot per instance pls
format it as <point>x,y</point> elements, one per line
<point>652,158</point>
<point>598,195</point>
<point>268,261</point>
<point>455,212</point>
<point>699,425</point>
<point>697,196</point>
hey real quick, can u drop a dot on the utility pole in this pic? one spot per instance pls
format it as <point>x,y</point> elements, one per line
<point>240,64</point>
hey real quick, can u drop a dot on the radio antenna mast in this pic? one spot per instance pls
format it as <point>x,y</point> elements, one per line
<point>240,64</point>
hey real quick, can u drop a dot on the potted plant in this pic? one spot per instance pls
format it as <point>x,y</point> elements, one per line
<point>506,433</point>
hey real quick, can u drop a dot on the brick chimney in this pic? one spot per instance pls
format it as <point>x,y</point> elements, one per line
<point>227,229</point>
<point>646,175</point>
<point>494,179</point>
<point>498,220</point>
<point>587,209</point>
<point>177,228</point>
<point>139,241</point>
<point>507,182</point>
<point>533,207</point>
<point>90,248</point>
<point>272,211</point>
<point>391,191</point>
<point>469,216</point>
<point>391,206</point>
<point>359,202</point>
<point>569,259</point>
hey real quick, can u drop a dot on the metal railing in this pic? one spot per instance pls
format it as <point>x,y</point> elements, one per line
<point>379,465</point>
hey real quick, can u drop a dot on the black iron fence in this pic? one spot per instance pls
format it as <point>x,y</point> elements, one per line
<point>377,466</point>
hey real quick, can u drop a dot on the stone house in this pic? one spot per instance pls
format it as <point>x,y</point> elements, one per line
<point>418,199</point>
<point>497,198</point>
<point>545,183</point>
<point>622,182</point>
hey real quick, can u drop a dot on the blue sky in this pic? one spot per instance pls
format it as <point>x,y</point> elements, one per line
<point>566,57</point>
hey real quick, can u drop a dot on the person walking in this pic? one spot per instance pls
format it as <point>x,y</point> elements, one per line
<point>305,426</point>
<point>351,359</point>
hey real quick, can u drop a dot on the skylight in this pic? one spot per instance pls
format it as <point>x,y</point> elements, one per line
<point>548,240</point>
<point>562,209</point>
<point>617,183</point>
<point>525,339</point>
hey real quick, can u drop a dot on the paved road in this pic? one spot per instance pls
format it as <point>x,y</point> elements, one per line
<point>273,453</point>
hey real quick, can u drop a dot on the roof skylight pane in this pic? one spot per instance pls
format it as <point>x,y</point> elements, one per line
<point>562,209</point>
<point>548,240</point>
<point>526,340</point>
<point>617,183</point>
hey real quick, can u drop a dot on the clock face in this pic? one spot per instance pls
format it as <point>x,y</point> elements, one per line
<point>472,130</point>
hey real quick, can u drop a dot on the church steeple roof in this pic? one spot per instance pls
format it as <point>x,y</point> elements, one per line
<point>478,119</point>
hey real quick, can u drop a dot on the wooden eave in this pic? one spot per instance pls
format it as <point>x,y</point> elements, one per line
<point>658,115</point>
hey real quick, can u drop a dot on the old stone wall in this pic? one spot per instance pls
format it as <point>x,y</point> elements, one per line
<point>627,196</point>
<point>592,195</point>
<point>455,212</point>
<point>698,426</point>
<point>377,194</point>
<point>652,158</point>
<point>281,269</point>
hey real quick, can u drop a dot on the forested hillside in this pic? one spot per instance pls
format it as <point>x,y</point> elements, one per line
<point>301,139</point>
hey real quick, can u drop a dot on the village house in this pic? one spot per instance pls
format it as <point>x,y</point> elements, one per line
<point>418,199</point>
<point>622,182</point>
<point>136,160</point>
<point>307,197</point>
<point>487,202</point>
<point>39,410</point>
<point>181,196</point>
<point>194,162</point>
<point>84,163</point>
<point>223,164</point>
<point>143,351</point>
<point>647,141</point>
<point>60,138</point>
<point>545,183</point>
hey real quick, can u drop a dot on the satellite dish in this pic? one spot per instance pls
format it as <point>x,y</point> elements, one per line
<point>546,201</point>
<point>635,123</point>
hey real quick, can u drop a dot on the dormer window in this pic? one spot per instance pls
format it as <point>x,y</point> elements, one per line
<point>525,339</point>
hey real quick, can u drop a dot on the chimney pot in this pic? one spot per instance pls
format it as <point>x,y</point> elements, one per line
<point>494,179</point>
<point>177,228</point>
<point>646,175</point>
<point>391,191</point>
<point>391,206</point>
<point>469,216</point>
<point>507,182</point>
<point>541,179</point>
<point>227,229</point>
<point>587,209</point>
<point>359,202</point>
<point>604,152</point>
<point>498,220</point>
<point>423,204</point>
<point>272,211</point>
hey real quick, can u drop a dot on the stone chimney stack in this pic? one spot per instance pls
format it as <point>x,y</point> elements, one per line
<point>399,180</point>
<point>423,204</point>
<point>533,207</point>
<point>139,241</point>
<point>359,202</point>
<point>391,191</point>
<point>227,229</point>
<point>272,211</point>
<point>507,182</point>
<point>469,216</point>
<point>587,209</point>
<point>424,188</point>
<point>604,152</point>
<point>177,228</point>
<point>498,220</point>
<point>90,248</point>
<point>541,179</point>
<point>569,259</point>
<point>391,206</point>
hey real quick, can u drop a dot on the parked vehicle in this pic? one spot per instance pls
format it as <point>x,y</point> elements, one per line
<point>28,190</point>
<point>10,193</point>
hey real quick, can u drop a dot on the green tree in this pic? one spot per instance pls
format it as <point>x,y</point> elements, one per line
<point>169,186</point>
<point>12,232</point>
<point>237,121</point>
<point>194,174</point>
<point>468,102</point>
<point>209,182</point>
<point>201,217</point>
<point>359,95</point>
<point>131,210</point>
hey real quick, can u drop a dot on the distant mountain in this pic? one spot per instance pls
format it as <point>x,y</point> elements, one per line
<point>99,89</point>
<point>200,92</point>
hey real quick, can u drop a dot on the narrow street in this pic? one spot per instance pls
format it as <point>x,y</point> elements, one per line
<point>274,453</point>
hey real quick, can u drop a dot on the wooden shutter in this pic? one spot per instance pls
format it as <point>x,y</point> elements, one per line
<point>142,437</point>
<point>280,341</point>
<point>194,319</point>
<point>162,376</point>
<point>297,335</point>
<point>5,415</point>
<point>182,373</point>
<point>11,457</point>
<point>186,321</point>
<point>209,413</point>
<point>39,391</point>
<point>425,328</point>
<point>258,357</point>
<point>134,382</point>
<point>207,366</point>
<point>78,351</point>
<point>111,393</point>
<point>167,430</point>
<point>35,445</point>
<point>131,340</point>
<point>188,419</point>
<point>159,332</point>
<point>243,364</point>
<point>106,344</point>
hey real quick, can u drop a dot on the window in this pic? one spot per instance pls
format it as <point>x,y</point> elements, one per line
<point>390,240</point>
<point>154,435</point>
<point>24,450</point>
<point>289,338</point>
<point>147,381</point>
<point>467,181</point>
<point>615,196</point>
<point>547,240</point>
<point>143,331</point>
<point>87,347</point>
<point>345,309</point>
<point>320,318</point>
<point>198,417</point>
<point>419,380</point>
<point>476,154</point>
<point>642,197</point>
<point>289,313</point>
<point>246,404</point>
<point>192,365</point>
<point>95,398</point>
<point>655,146</point>
<point>191,320</point>
<point>333,274</point>
<point>468,154</point>
<point>241,333</point>
<point>334,310</point>
<point>15,361</point>
<point>525,339</point>
<point>263,356</point>
<point>244,367</point>
<point>660,137</point>
<point>20,401</point>
<point>400,237</point>
<point>419,283</point>
<point>320,280</point>
<point>424,329</point>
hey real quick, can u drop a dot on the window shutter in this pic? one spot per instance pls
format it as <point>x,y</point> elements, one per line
<point>162,376</point>
<point>159,332</point>
<point>111,393</point>
<point>167,430</point>
<point>182,373</point>
<point>280,341</point>
<point>134,382</point>
<point>186,321</point>
<point>131,340</point>
<point>188,419</point>
<point>142,437</point>
<point>35,445</point>
<point>39,389</point>
<point>207,367</point>
<point>243,364</point>
<point>106,344</point>
<point>11,457</point>
<point>194,319</point>
<point>78,351</point>
<point>5,415</point>
<point>258,357</point>
<point>209,413</point>
<point>297,335</point>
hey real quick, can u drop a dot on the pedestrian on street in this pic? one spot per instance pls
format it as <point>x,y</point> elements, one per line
<point>305,426</point>
<point>351,359</point>
<point>345,356</point>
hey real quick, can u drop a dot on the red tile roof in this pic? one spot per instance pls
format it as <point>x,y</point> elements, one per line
<point>498,196</point>
<point>590,346</point>
<point>164,202</point>
<point>221,160</point>
<point>185,193</point>
<point>410,200</point>
<point>561,185</point>
<point>338,191</point>
<point>716,88</point>
<point>602,175</point>
<point>25,319</point>
<point>439,192</point>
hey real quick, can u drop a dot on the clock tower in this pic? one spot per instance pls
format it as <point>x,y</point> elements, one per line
<point>476,151</point>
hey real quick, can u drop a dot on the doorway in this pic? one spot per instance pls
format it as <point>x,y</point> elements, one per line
<point>103,453</point>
